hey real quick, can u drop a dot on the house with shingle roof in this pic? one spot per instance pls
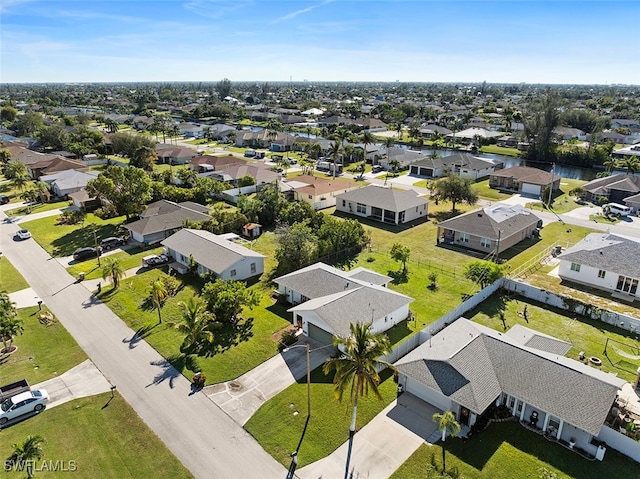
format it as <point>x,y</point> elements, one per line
<point>174,155</point>
<point>615,187</point>
<point>491,230</point>
<point>66,182</point>
<point>213,254</point>
<point>321,294</point>
<point>467,368</point>
<point>383,204</point>
<point>524,179</point>
<point>318,192</point>
<point>604,261</point>
<point>463,164</point>
<point>209,163</point>
<point>162,218</point>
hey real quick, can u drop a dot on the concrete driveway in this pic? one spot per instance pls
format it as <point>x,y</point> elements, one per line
<point>383,445</point>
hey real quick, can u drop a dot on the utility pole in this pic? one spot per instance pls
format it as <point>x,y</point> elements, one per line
<point>95,242</point>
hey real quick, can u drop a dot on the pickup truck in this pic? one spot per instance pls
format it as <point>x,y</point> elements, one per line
<point>12,389</point>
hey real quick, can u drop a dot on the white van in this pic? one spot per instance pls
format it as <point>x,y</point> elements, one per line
<point>616,209</point>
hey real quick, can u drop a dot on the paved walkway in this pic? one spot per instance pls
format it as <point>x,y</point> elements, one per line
<point>203,437</point>
<point>242,397</point>
<point>81,381</point>
<point>25,298</point>
<point>383,445</point>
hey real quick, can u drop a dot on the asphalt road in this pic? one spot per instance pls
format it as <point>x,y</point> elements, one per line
<point>207,441</point>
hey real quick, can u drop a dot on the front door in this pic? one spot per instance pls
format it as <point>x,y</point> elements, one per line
<point>464,416</point>
<point>298,321</point>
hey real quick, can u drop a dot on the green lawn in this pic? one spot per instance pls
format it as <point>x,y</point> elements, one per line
<point>278,429</point>
<point>584,334</point>
<point>38,208</point>
<point>484,191</point>
<point>67,238</point>
<point>563,201</point>
<point>110,442</point>
<point>10,280</point>
<point>128,259</point>
<point>509,451</point>
<point>233,355</point>
<point>500,150</point>
<point>43,351</point>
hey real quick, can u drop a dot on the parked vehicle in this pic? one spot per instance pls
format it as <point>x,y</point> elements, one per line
<point>259,155</point>
<point>12,389</point>
<point>4,199</point>
<point>616,209</point>
<point>250,153</point>
<point>23,234</point>
<point>112,242</point>
<point>154,260</point>
<point>377,169</point>
<point>86,253</point>
<point>23,403</point>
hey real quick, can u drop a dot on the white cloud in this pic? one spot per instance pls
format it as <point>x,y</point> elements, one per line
<point>216,8</point>
<point>300,12</point>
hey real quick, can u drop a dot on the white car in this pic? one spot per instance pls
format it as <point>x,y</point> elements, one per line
<point>23,234</point>
<point>154,260</point>
<point>23,403</point>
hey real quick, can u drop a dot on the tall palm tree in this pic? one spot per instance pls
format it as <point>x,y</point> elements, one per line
<point>388,143</point>
<point>20,181</point>
<point>26,453</point>
<point>196,323</point>
<point>42,190</point>
<point>357,369</point>
<point>448,425</point>
<point>111,125</point>
<point>335,150</point>
<point>610,164</point>
<point>630,163</point>
<point>158,295</point>
<point>10,324</point>
<point>366,139</point>
<point>112,270</point>
<point>398,128</point>
<point>436,139</point>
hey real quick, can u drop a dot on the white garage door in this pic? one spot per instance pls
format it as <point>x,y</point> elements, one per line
<point>528,189</point>
<point>427,394</point>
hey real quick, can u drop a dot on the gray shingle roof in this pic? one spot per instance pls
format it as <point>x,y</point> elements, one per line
<point>491,220</point>
<point>526,174</point>
<point>209,250</point>
<point>618,254</point>
<point>534,339</point>
<point>368,276</point>
<point>386,198</point>
<point>602,186</point>
<point>166,215</point>
<point>482,362</point>
<point>317,280</point>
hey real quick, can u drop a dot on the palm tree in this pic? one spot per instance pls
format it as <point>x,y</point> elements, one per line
<point>357,369</point>
<point>398,128</point>
<point>610,164</point>
<point>436,138</point>
<point>334,152</point>
<point>20,181</point>
<point>630,163</point>
<point>10,324</point>
<point>42,190</point>
<point>388,143</point>
<point>366,139</point>
<point>196,323</point>
<point>111,125</point>
<point>113,270</point>
<point>448,425</point>
<point>26,453</point>
<point>414,131</point>
<point>158,295</point>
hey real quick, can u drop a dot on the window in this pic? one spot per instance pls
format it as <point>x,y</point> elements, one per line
<point>232,273</point>
<point>253,268</point>
<point>575,267</point>
<point>464,237</point>
<point>417,209</point>
<point>360,208</point>
<point>601,273</point>
<point>627,285</point>
<point>485,242</point>
<point>344,203</point>
<point>310,197</point>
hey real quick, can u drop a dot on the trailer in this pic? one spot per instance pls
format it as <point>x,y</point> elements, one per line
<point>12,389</point>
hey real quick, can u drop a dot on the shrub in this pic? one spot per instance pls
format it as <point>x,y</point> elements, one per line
<point>107,211</point>
<point>289,337</point>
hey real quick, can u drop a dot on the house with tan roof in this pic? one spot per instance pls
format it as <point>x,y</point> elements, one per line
<point>318,192</point>
<point>490,230</point>
<point>383,204</point>
<point>209,163</point>
<point>468,369</point>
<point>524,180</point>
<point>174,155</point>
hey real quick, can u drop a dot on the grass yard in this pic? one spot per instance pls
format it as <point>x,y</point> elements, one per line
<point>38,208</point>
<point>10,280</point>
<point>43,351</point>
<point>509,451</point>
<point>64,239</point>
<point>484,191</point>
<point>128,259</point>
<point>234,354</point>
<point>501,150</point>
<point>278,430</point>
<point>563,201</point>
<point>111,442</point>
<point>584,334</point>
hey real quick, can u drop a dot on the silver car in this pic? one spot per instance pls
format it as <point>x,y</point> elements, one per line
<point>23,403</point>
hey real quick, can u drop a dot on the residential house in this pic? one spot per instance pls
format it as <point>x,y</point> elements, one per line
<point>53,166</point>
<point>219,131</point>
<point>318,192</point>
<point>275,141</point>
<point>468,368</point>
<point>404,158</point>
<point>568,133</point>
<point>213,254</point>
<point>429,129</point>
<point>191,130</point>
<point>465,165</point>
<point>66,182</point>
<point>321,294</point>
<point>471,134</point>
<point>524,179</point>
<point>383,204</point>
<point>615,188</point>
<point>174,155</point>
<point>491,230</point>
<point>208,163</point>
<point>633,202</point>
<point>34,161</point>
<point>162,218</point>
<point>82,200</point>
<point>260,172</point>
<point>604,261</point>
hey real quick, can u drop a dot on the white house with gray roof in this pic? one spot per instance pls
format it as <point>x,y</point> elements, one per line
<point>327,300</point>
<point>604,261</point>
<point>213,254</point>
<point>383,204</point>
<point>462,164</point>
<point>467,368</point>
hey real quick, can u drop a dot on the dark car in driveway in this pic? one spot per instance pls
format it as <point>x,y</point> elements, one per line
<point>112,242</point>
<point>86,253</point>
<point>4,199</point>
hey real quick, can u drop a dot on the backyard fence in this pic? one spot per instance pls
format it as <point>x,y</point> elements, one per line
<point>620,442</point>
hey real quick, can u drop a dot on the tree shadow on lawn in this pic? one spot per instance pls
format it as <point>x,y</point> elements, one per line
<point>399,277</point>
<point>478,455</point>
<point>280,309</point>
<point>81,237</point>
<point>494,307</point>
<point>225,338</point>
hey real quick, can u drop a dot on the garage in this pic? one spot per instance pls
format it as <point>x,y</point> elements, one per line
<point>427,394</point>
<point>320,334</point>
<point>529,189</point>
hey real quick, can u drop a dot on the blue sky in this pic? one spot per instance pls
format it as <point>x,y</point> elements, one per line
<point>583,42</point>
